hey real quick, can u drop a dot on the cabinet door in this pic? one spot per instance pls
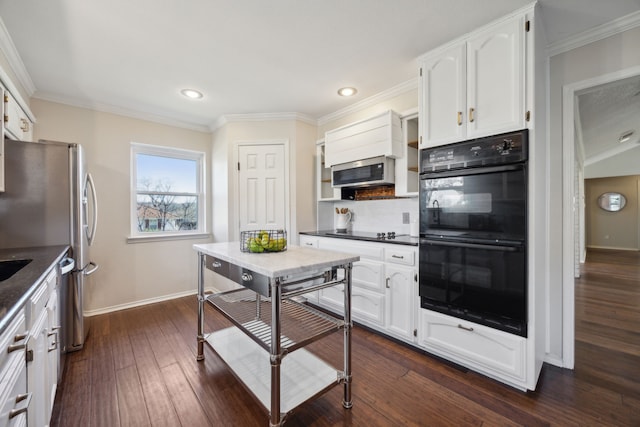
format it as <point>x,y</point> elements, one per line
<point>53,351</point>
<point>401,293</point>
<point>37,372</point>
<point>443,98</point>
<point>495,79</point>
<point>16,122</point>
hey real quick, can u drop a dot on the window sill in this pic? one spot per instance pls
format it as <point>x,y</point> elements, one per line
<point>165,237</point>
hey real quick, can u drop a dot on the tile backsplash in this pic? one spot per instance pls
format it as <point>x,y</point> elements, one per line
<point>380,215</point>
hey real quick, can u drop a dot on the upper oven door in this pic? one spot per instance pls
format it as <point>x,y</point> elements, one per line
<point>475,203</point>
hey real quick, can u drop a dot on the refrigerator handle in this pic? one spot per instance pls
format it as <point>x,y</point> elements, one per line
<point>94,199</point>
<point>92,270</point>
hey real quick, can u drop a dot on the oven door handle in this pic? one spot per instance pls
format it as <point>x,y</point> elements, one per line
<point>471,171</point>
<point>502,248</point>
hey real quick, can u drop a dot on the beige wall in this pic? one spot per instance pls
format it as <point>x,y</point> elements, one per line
<point>129,273</point>
<point>609,55</point>
<point>618,230</point>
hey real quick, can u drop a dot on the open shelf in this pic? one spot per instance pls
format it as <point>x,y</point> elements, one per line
<point>302,376</point>
<point>299,323</point>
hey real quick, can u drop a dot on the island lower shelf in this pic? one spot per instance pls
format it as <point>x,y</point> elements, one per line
<point>300,324</point>
<point>302,374</point>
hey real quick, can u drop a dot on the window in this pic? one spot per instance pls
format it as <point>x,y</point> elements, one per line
<point>167,192</point>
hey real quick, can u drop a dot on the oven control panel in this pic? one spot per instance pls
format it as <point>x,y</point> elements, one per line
<point>498,149</point>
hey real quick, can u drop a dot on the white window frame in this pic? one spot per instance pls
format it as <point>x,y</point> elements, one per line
<point>175,153</point>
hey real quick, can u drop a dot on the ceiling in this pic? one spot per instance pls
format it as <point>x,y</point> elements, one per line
<point>249,56</point>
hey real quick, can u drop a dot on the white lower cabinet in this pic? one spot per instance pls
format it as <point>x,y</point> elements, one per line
<point>14,398</point>
<point>401,294</point>
<point>384,287</point>
<point>42,361</point>
<point>486,350</point>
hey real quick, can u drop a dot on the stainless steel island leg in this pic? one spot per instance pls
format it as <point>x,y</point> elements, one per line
<point>275,353</point>
<point>201,260</point>
<point>346,401</point>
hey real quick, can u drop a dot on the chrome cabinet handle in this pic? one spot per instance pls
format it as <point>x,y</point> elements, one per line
<point>246,277</point>
<point>216,264</point>
<point>465,328</point>
<point>26,398</point>
<point>20,337</point>
<point>54,344</point>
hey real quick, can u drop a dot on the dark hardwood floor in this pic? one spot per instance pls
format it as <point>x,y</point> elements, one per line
<point>139,369</point>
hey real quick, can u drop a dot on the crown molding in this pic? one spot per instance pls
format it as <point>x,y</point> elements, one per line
<point>134,114</point>
<point>372,100</point>
<point>261,117</point>
<point>15,61</point>
<point>595,34</point>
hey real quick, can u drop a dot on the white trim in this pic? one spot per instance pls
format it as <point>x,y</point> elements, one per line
<point>234,231</point>
<point>595,34</point>
<point>15,61</point>
<point>372,100</point>
<point>569,204</point>
<point>261,117</point>
<point>612,247</point>
<point>167,236</point>
<point>120,111</point>
<point>200,157</point>
<point>105,310</point>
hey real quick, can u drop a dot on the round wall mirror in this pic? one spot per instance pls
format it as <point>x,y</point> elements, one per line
<point>612,202</point>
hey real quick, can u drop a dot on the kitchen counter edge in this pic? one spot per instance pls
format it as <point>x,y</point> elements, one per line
<point>16,290</point>
<point>414,241</point>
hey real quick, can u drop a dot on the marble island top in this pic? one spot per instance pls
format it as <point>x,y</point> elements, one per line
<point>293,261</point>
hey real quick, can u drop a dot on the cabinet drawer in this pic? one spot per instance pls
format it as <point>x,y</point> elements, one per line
<point>368,274</point>
<point>13,393</point>
<point>477,346</point>
<point>400,256</point>
<point>14,339</point>
<point>308,242</point>
<point>371,251</point>
<point>37,303</point>
<point>365,305</point>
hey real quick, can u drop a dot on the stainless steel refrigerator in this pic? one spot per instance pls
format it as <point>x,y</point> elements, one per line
<point>50,199</point>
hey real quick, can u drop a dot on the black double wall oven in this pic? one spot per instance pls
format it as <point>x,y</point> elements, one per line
<point>473,230</point>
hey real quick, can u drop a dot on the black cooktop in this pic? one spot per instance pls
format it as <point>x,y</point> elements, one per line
<point>400,239</point>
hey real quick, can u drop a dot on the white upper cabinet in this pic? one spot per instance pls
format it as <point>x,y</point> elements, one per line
<point>475,86</point>
<point>16,122</point>
<point>444,98</point>
<point>495,79</point>
<point>380,135</point>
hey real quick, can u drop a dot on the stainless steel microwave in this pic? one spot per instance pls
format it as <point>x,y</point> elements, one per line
<point>373,171</point>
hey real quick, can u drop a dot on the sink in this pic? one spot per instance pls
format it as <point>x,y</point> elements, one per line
<point>10,267</point>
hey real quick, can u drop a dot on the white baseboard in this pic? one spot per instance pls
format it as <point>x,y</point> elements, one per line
<point>90,313</point>
<point>613,248</point>
<point>554,360</point>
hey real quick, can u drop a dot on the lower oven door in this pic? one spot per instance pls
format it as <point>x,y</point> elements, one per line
<point>485,283</point>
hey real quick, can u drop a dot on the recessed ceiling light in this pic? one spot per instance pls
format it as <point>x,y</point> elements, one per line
<point>191,93</point>
<point>625,136</point>
<point>347,91</point>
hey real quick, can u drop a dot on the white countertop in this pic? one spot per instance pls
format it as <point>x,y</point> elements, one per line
<point>294,261</point>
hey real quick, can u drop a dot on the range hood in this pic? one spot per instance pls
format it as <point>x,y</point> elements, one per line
<point>363,173</point>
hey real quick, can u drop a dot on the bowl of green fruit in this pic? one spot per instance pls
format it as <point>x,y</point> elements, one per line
<point>261,241</point>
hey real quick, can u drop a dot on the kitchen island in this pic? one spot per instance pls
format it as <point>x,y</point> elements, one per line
<point>270,322</point>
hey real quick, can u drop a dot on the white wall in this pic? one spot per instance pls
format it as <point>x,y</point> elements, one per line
<point>609,55</point>
<point>129,273</point>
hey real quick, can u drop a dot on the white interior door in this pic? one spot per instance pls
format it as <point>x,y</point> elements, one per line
<point>261,179</point>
